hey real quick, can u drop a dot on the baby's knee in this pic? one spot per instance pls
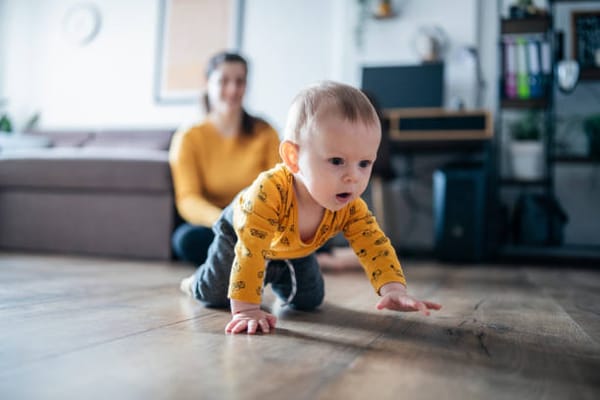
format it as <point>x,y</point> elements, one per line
<point>216,303</point>
<point>308,301</point>
<point>212,298</point>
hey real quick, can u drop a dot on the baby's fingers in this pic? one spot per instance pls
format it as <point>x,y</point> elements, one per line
<point>264,325</point>
<point>422,308</point>
<point>432,306</point>
<point>252,325</point>
<point>240,326</point>
<point>272,320</point>
<point>230,325</point>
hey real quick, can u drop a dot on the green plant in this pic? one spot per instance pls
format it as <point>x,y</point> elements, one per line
<point>527,128</point>
<point>5,124</point>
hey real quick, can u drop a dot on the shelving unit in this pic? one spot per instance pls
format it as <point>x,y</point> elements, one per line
<point>540,29</point>
<point>515,33</point>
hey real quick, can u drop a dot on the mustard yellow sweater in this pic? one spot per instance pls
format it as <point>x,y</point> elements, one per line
<point>209,170</point>
<point>266,221</point>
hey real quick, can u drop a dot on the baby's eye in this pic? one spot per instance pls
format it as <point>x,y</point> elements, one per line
<point>364,163</point>
<point>336,161</point>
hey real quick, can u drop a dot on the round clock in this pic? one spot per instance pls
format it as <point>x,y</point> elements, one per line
<point>81,23</point>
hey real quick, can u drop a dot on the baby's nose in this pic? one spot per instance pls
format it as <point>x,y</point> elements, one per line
<point>351,175</point>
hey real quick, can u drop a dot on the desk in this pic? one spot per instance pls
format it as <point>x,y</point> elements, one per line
<point>408,133</point>
<point>437,124</point>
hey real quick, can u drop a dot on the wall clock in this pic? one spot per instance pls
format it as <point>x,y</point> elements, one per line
<point>81,23</point>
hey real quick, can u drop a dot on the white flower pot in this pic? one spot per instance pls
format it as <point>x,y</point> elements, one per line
<point>527,158</point>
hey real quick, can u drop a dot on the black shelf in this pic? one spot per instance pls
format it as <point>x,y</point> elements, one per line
<point>566,159</point>
<point>525,104</point>
<point>531,25</point>
<point>522,182</point>
<point>590,74</point>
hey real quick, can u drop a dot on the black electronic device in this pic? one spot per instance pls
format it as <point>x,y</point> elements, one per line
<point>459,204</point>
<point>405,86</point>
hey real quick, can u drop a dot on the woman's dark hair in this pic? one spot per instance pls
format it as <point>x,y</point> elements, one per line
<point>215,62</point>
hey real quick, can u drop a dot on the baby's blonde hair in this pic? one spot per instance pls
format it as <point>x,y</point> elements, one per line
<point>327,98</point>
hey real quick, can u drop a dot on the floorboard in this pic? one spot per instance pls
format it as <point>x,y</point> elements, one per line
<point>93,328</point>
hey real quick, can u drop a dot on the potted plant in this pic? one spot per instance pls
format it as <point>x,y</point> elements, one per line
<point>524,9</point>
<point>591,126</point>
<point>527,149</point>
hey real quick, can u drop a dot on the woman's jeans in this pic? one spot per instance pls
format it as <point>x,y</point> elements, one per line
<point>191,242</point>
<point>212,277</point>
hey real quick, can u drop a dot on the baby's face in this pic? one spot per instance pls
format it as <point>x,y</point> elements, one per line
<point>335,162</point>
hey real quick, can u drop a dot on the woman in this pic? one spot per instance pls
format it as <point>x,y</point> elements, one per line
<point>212,161</point>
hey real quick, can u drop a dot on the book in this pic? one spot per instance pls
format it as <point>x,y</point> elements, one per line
<point>534,71</point>
<point>510,69</point>
<point>546,64</point>
<point>522,69</point>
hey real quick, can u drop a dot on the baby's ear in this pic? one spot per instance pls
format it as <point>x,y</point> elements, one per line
<point>289,154</point>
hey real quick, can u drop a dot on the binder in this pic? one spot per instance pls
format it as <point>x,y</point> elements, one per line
<point>535,77</point>
<point>522,70</point>
<point>510,69</point>
<point>546,64</point>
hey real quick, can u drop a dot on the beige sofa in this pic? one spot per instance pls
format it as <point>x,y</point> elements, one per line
<point>101,193</point>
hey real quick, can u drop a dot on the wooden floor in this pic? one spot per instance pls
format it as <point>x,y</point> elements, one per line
<point>104,329</point>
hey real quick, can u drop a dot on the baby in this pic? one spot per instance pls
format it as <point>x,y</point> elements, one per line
<point>270,232</point>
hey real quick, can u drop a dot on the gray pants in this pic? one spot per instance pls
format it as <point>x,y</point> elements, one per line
<point>212,277</point>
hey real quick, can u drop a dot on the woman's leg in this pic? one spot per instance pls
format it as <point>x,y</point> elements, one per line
<point>190,243</point>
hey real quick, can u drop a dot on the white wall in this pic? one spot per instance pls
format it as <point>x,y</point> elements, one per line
<point>293,43</point>
<point>290,44</point>
<point>107,83</point>
<point>17,49</point>
<point>3,35</point>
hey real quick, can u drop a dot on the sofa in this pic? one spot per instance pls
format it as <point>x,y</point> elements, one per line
<point>104,193</point>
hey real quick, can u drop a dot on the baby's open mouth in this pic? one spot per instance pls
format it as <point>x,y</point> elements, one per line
<point>343,196</point>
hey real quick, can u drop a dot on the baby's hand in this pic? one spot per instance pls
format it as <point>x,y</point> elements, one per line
<point>250,320</point>
<point>394,297</point>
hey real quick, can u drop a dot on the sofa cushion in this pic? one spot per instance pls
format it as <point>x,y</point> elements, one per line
<point>87,169</point>
<point>114,224</point>
<point>142,139</point>
<point>65,138</point>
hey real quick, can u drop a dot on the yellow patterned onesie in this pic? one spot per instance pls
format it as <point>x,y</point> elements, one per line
<point>265,220</point>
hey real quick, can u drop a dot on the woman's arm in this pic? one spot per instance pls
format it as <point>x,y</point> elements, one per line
<point>187,182</point>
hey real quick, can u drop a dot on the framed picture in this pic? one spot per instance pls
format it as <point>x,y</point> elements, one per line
<point>585,34</point>
<point>189,33</point>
